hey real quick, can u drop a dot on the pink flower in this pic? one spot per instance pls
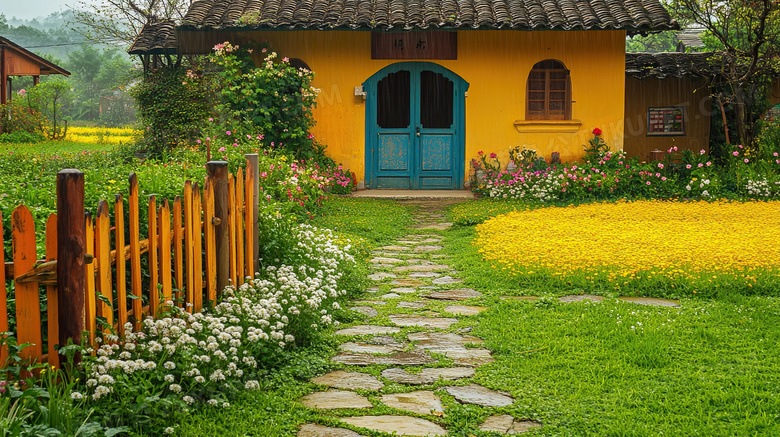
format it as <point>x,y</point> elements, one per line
<point>688,166</point>
<point>260,137</point>
<point>648,182</point>
<point>285,59</point>
<point>740,146</point>
<point>222,149</point>
<point>227,133</point>
<point>702,152</point>
<point>22,92</point>
<point>663,178</point>
<point>249,137</point>
<point>746,160</point>
<point>660,165</point>
<point>735,153</point>
<point>208,138</point>
<point>701,165</point>
<point>198,141</point>
<point>211,119</point>
<point>709,163</point>
<point>235,144</point>
<point>311,137</point>
<point>774,154</point>
<point>263,174</point>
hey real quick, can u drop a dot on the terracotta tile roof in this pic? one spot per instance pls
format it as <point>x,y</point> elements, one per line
<point>155,39</point>
<point>671,64</point>
<point>630,15</point>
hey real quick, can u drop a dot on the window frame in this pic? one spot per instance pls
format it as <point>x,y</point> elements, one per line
<point>548,114</point>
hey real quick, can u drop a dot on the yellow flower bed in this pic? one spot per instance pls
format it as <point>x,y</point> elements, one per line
<point>624,241</point>
<point>101,135</point>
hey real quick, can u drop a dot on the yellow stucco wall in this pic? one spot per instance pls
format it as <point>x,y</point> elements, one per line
<point>496,65</point>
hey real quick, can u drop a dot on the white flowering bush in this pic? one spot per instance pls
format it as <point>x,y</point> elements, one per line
<point>762,188</point>
<point>185,360</point>
<point>530,185</point>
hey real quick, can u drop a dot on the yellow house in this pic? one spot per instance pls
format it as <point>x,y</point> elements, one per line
<point>411,91</point>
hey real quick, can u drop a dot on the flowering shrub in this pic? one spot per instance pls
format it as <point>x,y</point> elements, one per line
<point>276,98</point>
<point>199,360</point>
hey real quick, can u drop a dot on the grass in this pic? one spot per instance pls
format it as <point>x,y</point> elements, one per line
<point>378,221</point>
<point>54,147</point>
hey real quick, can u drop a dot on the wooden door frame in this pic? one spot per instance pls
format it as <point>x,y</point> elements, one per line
<point>460,87</point>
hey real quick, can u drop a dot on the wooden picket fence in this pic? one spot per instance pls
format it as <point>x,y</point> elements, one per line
<point>194,246</point>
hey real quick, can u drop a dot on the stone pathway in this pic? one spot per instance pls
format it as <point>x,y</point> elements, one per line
<point>415,277</point>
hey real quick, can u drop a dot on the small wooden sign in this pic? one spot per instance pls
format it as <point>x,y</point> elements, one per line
<point>665,121</point>
<point>414,45</point>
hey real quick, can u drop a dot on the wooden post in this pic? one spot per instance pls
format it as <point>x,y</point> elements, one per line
<point>71,249</point>
<point>253,184</point>
<point>218,175</point>
<point>52,318</point>
<point>121,263</point>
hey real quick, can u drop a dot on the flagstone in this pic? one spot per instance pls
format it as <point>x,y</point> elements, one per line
<point>368,348</point>
<point>427,376</point>
<point>437,226</point>
<point>506,424</point>
<point>413,358</point>
<point>404,290</point>
<point>427,322</point>
<point>472,357</point>
<point>381,275</point>
<point>349,380</point>
<point>314,430</point>
<point>463,310</point>
<point>479,395</point>
<point>382,259</point>
<point>424,275</point>
<point>441,341</point>
<point>390,296</point>
<point>400,425</point>
<point>396,248</point>
<point>372,302</point>
<point>420,402</point>
<point>457,294</point>
<point>428,248</point>
<point>335,399</point>
<point>529,298</point>
<point>368,330</point>
<point>651,301</point>
<point>580,298</point>
<point>421,268</point>
<point>366,311</point>
<point>446,280</point>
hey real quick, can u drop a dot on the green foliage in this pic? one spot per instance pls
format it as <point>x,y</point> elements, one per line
<point>99,75</point>
<point>48,99</point>
<point>22,137</point>
<point>665,41</point>
<point>378,221</point>
<point>18,116</point>
<point>276,98</point>
<point>172,106</point>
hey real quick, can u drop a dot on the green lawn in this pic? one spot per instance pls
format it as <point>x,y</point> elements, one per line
<point>709,367</point>
<point>54,147</point>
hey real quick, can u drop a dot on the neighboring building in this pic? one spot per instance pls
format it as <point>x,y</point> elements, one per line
<point>667,102</point>
<point>412,90</point>
<point>17,61</point>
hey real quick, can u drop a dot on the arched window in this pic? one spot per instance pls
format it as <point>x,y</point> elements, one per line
<point>548,92</point>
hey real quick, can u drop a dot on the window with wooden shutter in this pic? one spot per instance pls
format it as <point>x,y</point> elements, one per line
<point>548,92</point>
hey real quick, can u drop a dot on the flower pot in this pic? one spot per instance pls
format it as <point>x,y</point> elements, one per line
<point>511,167</point>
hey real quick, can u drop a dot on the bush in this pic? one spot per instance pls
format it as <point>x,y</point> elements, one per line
<point>172,104</point>
<point>18,116</point>
<point>22,137</point>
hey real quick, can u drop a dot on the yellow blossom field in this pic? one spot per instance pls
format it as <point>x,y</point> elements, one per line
<point>684,245</point>
<point>101,135</point>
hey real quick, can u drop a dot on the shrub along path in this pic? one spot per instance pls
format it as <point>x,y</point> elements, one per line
<point>412,356</point>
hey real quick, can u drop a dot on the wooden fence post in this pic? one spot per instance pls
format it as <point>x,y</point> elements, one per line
<point>71,227</point>
<point>253,204</point>
<point>218,175</point>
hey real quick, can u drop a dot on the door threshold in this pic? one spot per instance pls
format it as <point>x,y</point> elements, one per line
<point>413,194</point>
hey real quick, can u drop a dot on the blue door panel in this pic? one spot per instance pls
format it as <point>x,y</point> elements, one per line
<point>429,153</point>
<point>436,151</point>
<point>393,153</point>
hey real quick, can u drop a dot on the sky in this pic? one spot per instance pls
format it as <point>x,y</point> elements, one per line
<point>29,9</point>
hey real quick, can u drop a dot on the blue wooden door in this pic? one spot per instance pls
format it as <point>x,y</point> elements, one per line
<point>414,127</point>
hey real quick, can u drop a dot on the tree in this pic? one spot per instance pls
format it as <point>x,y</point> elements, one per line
<point>120,21</point>
<point>747,35</point>
<point>96,74</point>
<point>48,98</point>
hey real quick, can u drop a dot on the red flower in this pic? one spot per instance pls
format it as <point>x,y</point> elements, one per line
<point>597,131</point>
<point>492,155</point>
<point>479,153</point>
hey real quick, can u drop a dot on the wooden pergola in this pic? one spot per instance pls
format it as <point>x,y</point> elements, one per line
<point>18,61</point>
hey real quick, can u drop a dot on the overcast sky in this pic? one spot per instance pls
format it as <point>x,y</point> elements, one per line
<point>29,9</point>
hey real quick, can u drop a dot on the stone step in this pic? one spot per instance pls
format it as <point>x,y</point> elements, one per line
<point>400,425</point>
<point>349,380</point>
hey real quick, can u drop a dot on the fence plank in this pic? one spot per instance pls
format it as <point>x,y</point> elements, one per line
<point>154,294</point>
<point>189,245</point>
<point>103,267</point>
<point>71,256</point>
<point>28,306</point>
<point>121,264</point>
<point>211,245</point>
<point>253,203</point>
<point>90,312</point>
<point>135,251</point>
<point>164,227</point>
<point>239,219</point>
<point>197,231</point>
<point>3,296</point>
<point>52,302</point>
<point>232,213</point>
<point>218,175</point>
<point>178,266</point>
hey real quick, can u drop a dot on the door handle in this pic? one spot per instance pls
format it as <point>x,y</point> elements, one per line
<point>417,129</point>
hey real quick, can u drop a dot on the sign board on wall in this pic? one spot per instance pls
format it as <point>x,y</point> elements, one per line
<point>668,120</point>
<point>414,45</point>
